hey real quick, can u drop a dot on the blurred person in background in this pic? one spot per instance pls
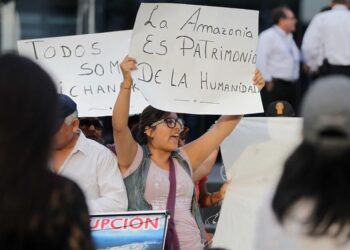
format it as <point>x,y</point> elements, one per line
<point>326,43</point>
<point>92,127</point>
<point>310,208</point>
<point>38,209</point>
<point>278,58</point>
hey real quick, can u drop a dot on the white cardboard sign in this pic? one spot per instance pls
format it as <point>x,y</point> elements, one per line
<point>253,155</point>
<point>196,59</point>
<point>86,68</point>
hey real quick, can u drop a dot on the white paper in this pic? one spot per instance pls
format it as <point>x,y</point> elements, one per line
<point>86,68</point>
<point>196,59</point>
<point>253,155</point>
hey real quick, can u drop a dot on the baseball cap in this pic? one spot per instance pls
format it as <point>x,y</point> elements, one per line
<point>326,112</point>
<point>66,107</point>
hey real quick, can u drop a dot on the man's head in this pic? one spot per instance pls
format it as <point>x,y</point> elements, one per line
<point>284,18</point>
<point>69,123</point>
<point>92,128</point>
<point>345,2</point>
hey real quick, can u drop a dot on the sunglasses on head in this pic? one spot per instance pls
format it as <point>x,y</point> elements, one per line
<point>170,122</point>
<point>86,123</point>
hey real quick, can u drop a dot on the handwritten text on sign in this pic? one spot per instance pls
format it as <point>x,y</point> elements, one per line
<point>86,67</point>
<point>196,59</point>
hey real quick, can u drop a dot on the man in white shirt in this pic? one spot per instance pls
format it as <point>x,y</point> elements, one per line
<point>326,43</point>
<point>278,59</point>
<point>91,165</point>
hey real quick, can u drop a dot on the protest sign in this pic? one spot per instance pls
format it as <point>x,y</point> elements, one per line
<point>129,230</point>
<point>196,59</point>
<point>86,68</point>
<point>253,155</point>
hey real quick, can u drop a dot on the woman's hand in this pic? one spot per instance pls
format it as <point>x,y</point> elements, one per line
<point>258,79</point>
<point>223,189</point>
<point>128,64</point>
<point>217,197</point>
<point>125,145</point>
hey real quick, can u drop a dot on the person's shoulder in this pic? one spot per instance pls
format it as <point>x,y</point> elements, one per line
<point>330,17</point>
<point>95,147</point>
<point>270,30</point>
<point>339,14</point>
<point>319,17</point>
<point>323,14</point>
<point>267,34</point>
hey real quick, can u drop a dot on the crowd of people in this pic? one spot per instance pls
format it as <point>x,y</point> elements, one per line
<point>55,169</point>
<point>325,50</point>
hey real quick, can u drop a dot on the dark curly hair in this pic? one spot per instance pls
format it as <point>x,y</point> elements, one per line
<point>279,13</point>
<point>321,176</point>
<point>148,116</point>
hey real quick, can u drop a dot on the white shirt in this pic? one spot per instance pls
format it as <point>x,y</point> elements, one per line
<point>292,235</point>
<point>328,36</point>
<point>278,56</point>
<point>94,168</point>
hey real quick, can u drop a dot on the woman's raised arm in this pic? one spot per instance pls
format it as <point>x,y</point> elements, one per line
<point>125,145</point>
<point>200,149</point>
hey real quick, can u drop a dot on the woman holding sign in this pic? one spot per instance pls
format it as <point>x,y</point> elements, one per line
<point>158,174</point>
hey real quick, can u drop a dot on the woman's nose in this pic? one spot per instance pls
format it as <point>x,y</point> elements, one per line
<point>179,126</point>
